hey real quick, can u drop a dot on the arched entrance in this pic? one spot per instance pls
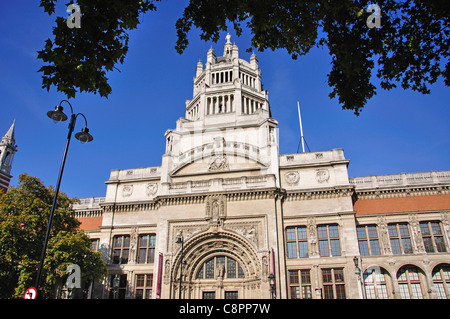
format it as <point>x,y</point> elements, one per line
<point>218,265</point>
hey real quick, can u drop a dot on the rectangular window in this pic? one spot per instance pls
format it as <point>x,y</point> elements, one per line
<point>333,283</point>
<point>143,286</point>
<point>328,240</point>
<point>117,286</point>
<point>146,249</point>
<point>209,295</point>
<point>231,295</point>
<point>121,249</point>
<point>300,284</point>
<point>95,244</point>
<point>368,240</point>
<point>297,244</point>
<point>433,239</point>
<point>400,238</point>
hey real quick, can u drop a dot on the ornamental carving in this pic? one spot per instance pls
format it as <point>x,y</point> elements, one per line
<point>218,163</point>
<point>383,228</point>
<point>322,175</point>
<point>292,178</point>
<point>312,237</point>
<point>151,189</point>
<point>127,190</point>
<point>417,235</point>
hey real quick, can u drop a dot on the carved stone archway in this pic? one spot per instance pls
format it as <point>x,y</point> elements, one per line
<point>200,248</point>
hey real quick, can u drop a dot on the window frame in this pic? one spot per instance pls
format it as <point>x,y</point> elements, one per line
<point>329,245</point>
<point>401,238</point>
<point>333,283</point>
<point>300,284</point>
<point>297,242</point>
<point>429,237</point>
<point>408,285</point>
<point>145,290</point>
<point>148,250</point>
<point>120,255</point>
<point>369,243</point>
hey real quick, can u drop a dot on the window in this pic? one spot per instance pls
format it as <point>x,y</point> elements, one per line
<point>400,239</point>
<point>117,286</point>
<point>146,249</point>
<point>333,283</point>
<point>121,249</point>
<point>433,239</point>
<point>375,283</point>
<point>231,295</point>
<point>300,284</point>
<point>441,281</point>
<point>209,295</point>
<point>368,240</point>
<point>95,242</point>
<point>297,244</point>
<point>328,240</point>
<point>409,283</point>
<point>223,266</point>
<point>143,286</point>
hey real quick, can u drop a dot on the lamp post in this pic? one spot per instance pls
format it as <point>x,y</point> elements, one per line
<point>272,285</point>
<point>57,116</point>
<point>181,241</point>
<point>358,275</point>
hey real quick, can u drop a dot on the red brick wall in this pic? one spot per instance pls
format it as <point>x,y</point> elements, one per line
<point>92,223</point>
<point>402,204</point>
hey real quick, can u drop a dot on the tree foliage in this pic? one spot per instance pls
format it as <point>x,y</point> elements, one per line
<point>411,49</point>
<point>79,58</point>
<point>24,212</point>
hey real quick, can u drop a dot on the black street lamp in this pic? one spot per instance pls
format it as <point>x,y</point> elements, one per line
<point>57,116</point>
<point>181,241</point>
<point>272,285</point>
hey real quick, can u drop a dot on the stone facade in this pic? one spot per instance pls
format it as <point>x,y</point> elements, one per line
<point>228,210</point>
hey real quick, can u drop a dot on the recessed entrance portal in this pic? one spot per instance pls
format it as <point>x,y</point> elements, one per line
<point>219,265</point>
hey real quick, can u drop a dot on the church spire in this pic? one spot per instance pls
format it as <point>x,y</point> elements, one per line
<point>7,151</point>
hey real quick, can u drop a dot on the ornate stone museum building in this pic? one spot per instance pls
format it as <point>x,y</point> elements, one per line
<point>239,220</point>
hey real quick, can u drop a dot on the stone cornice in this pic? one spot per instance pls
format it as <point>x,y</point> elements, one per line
<point>319,193</point>
<point>187,199</point>
<point>392,192</point>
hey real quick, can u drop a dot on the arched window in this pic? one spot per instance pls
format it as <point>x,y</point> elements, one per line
<point>220,266</point>
<point>409,281</point>
<point>441,281</point>
<point>375,283</point>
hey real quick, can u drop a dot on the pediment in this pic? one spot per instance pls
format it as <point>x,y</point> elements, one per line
<point>218,163</point>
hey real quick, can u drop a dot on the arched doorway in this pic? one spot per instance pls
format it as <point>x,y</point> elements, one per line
<point>219,265</point>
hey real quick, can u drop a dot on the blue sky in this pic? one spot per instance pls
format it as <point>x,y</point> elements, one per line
<point>398,131</point>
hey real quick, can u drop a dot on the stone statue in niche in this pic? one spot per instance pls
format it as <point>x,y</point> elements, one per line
<point>215,209</point>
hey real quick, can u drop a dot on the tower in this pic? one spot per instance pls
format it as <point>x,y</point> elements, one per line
<point>228,123</point>
<point>7,151</point>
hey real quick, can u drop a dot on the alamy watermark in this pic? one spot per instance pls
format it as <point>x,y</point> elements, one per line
<point>74,20</point>
<point>374,20</point>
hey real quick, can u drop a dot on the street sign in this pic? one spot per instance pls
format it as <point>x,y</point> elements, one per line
<point>31,293</point>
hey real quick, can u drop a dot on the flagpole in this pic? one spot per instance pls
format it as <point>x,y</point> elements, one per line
<point>301,128</point>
